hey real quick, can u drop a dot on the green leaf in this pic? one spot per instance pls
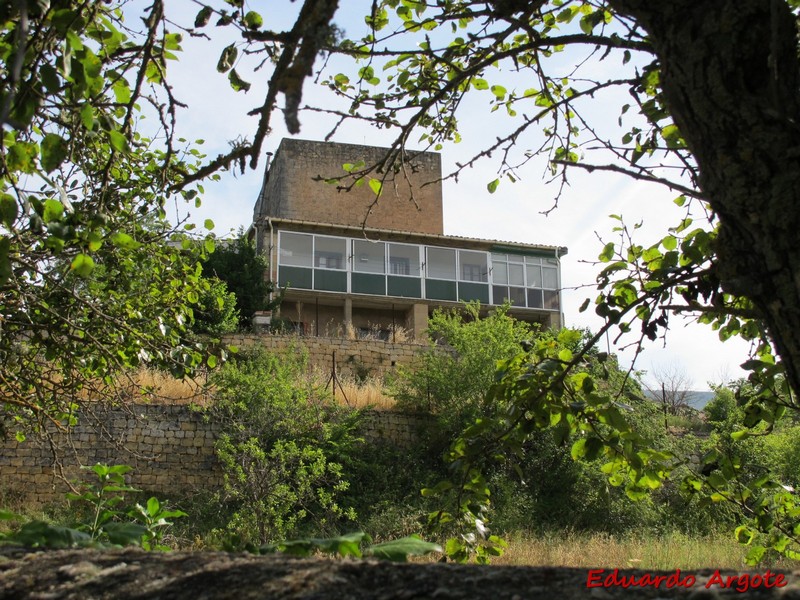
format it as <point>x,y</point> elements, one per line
<point>608,252</point>
<point>253,20</point>
<point>227,58</point>
<point>492,186</point>
<point>578,449</point>
<point>208,224</point>
<point>237,83</point>
<point>375,185</point>
<point>83,265</point>
<point>53,210</point>
<point>118,141</point>
<point>8,210</point>
<point>95,241</point>
<point>211,361</point>
<point>50,78</point>
<point>499,91</point>
<point>21,157</point>
<point>123,240</point>
<point>87,116</point>
<point>124,533</point>
<point>400,550</point>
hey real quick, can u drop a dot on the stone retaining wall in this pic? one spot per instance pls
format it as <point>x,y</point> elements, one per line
<point>357,357</point>
<point>171,449</point>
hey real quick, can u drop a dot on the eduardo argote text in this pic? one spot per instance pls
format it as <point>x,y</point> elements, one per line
<point>604,578</point>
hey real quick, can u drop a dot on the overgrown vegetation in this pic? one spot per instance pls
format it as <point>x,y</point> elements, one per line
<point>296,466</point>
<point>281,446</point>
<point>100,517</point>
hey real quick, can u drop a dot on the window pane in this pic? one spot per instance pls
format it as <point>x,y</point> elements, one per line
<point>329,253</point>
<point>550,299</point>
<point>404,260</point>
<point>550,279</point>
<point>534,298</point>
<point>368,283</point>
<point>295,249</point>
<point>436,289</point>
<point>405,287</point>
<point>441,263</point>
<point>515,258</point>
<point>369,257</point>
<point>534,276</point>
<point>517,296</point>
<point>499,294</point>
<point>473,266</point>
<point>533,260</point>
<point>468,291</point>
<point>515,275</point>
<point>499,257</point>
<point>499,272</point>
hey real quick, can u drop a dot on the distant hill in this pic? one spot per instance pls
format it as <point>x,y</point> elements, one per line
<point>697,400</point>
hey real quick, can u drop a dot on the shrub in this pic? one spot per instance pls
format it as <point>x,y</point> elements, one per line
<point>453,376</point>
<point>281,447</point>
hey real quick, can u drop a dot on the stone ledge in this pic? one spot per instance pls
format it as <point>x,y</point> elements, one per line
<point>136,575</point>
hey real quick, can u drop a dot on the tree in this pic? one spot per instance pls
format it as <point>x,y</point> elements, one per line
<point>94,279</point>
<point>216,313</point>
<point>453,376</point>
<point>671,387</point>
<point>708,92</point>
<point>280,446</point>
<point>245,272</point>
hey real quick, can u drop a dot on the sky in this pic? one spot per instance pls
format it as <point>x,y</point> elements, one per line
<point>515,212</point>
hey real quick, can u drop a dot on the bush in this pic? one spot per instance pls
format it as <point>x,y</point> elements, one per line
<point>453,376</point>
<point>281,447</point>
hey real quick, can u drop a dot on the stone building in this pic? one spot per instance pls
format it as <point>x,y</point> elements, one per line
<point>348,260</point>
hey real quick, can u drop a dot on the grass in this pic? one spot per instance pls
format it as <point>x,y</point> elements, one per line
<point>158,387</point>
<point>361,394</point>
<point>162,388</point>
<point>664,553</point>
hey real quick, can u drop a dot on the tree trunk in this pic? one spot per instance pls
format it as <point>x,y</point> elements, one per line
<point>730,78</point>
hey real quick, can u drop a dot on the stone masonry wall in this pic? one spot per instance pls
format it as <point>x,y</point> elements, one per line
<point>357,357</point>
<point>295,190</point>
<point>171,450</point>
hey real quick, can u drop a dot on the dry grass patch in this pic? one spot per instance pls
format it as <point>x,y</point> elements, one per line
<point>666,553</point>
<point>158,387</point>
<point>354,393</point>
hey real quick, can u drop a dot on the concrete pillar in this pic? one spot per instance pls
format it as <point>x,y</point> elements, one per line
<point>419,320</point>
<point>348,313</point>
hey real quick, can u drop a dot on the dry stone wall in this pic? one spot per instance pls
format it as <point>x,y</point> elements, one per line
<point>171,450</point>
<point>171,447</point>
<point>356,357</point>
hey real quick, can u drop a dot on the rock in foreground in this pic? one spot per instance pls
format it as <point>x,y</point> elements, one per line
<point>134,574</point>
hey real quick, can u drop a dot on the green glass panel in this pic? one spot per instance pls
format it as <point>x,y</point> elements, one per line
<point>364,283</point>
<point>295,277</point>
<point>436,289</point>
<point>405,287</point>
<point>473,291</point>
<point>330,281</point>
